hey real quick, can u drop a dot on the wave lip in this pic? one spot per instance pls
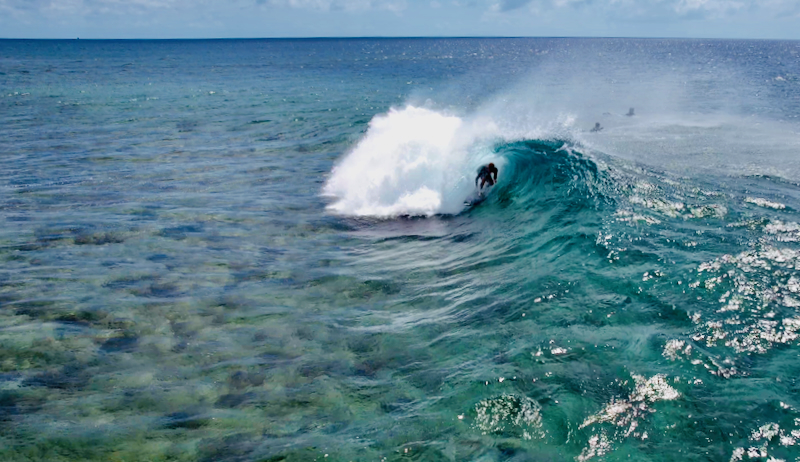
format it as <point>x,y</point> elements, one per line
<point>412,161</point>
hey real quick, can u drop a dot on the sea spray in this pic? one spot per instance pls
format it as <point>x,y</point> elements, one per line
<point>412,161</point>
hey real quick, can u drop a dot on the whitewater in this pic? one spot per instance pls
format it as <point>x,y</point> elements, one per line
<point>260,250</point>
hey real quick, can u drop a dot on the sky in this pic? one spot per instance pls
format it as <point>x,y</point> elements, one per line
<point>769,19</point>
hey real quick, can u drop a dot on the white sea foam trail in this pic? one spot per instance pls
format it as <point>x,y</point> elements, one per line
<point>412,161</point>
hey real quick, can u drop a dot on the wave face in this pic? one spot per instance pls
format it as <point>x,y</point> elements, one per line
<point>541,174</point>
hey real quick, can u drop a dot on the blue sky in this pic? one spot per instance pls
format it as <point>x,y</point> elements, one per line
<point>355,18</point>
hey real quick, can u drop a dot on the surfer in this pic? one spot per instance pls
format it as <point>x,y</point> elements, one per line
<point>596,128</point>
<point>485,175</point>
<point>630,113</point>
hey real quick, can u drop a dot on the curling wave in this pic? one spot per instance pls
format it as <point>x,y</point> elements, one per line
<point>419,162</point>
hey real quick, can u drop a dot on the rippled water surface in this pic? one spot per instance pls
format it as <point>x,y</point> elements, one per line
<point>259,250</point>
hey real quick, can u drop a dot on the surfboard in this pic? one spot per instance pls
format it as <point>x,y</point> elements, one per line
<point>477,197</point>
<point>474,200</point>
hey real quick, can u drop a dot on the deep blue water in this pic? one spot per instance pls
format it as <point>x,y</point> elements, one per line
<point>259,250</point>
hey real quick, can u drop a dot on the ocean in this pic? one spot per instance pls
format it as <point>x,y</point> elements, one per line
<point>259,250</point>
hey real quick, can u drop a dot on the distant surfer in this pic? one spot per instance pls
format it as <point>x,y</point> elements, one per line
<point>485,175</point>
<point>596,128</point>
<point>630,113</point>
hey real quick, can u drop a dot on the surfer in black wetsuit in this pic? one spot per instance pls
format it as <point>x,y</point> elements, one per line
<point>485,175</point>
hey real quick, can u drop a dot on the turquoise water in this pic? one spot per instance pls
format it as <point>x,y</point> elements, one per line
<point>258,250</point>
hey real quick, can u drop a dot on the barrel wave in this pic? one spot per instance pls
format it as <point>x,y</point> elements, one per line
<point>542,175</point>
<point>419,162</point>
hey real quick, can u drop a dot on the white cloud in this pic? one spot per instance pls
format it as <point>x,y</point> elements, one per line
<point>653,9</point>
<point>105,7</point>
<point>333,5</point>
<point>88,7</point>
<point>625,8</point>
<point>712,7</point>
<point>203,18</point>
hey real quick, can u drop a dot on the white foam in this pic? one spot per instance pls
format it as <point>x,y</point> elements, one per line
<point>627,414</point>
<point>764,203</point>
<point>508,412</point>
<point>412,161</point>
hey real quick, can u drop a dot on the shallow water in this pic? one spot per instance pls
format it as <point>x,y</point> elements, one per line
<point>258,250</point>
